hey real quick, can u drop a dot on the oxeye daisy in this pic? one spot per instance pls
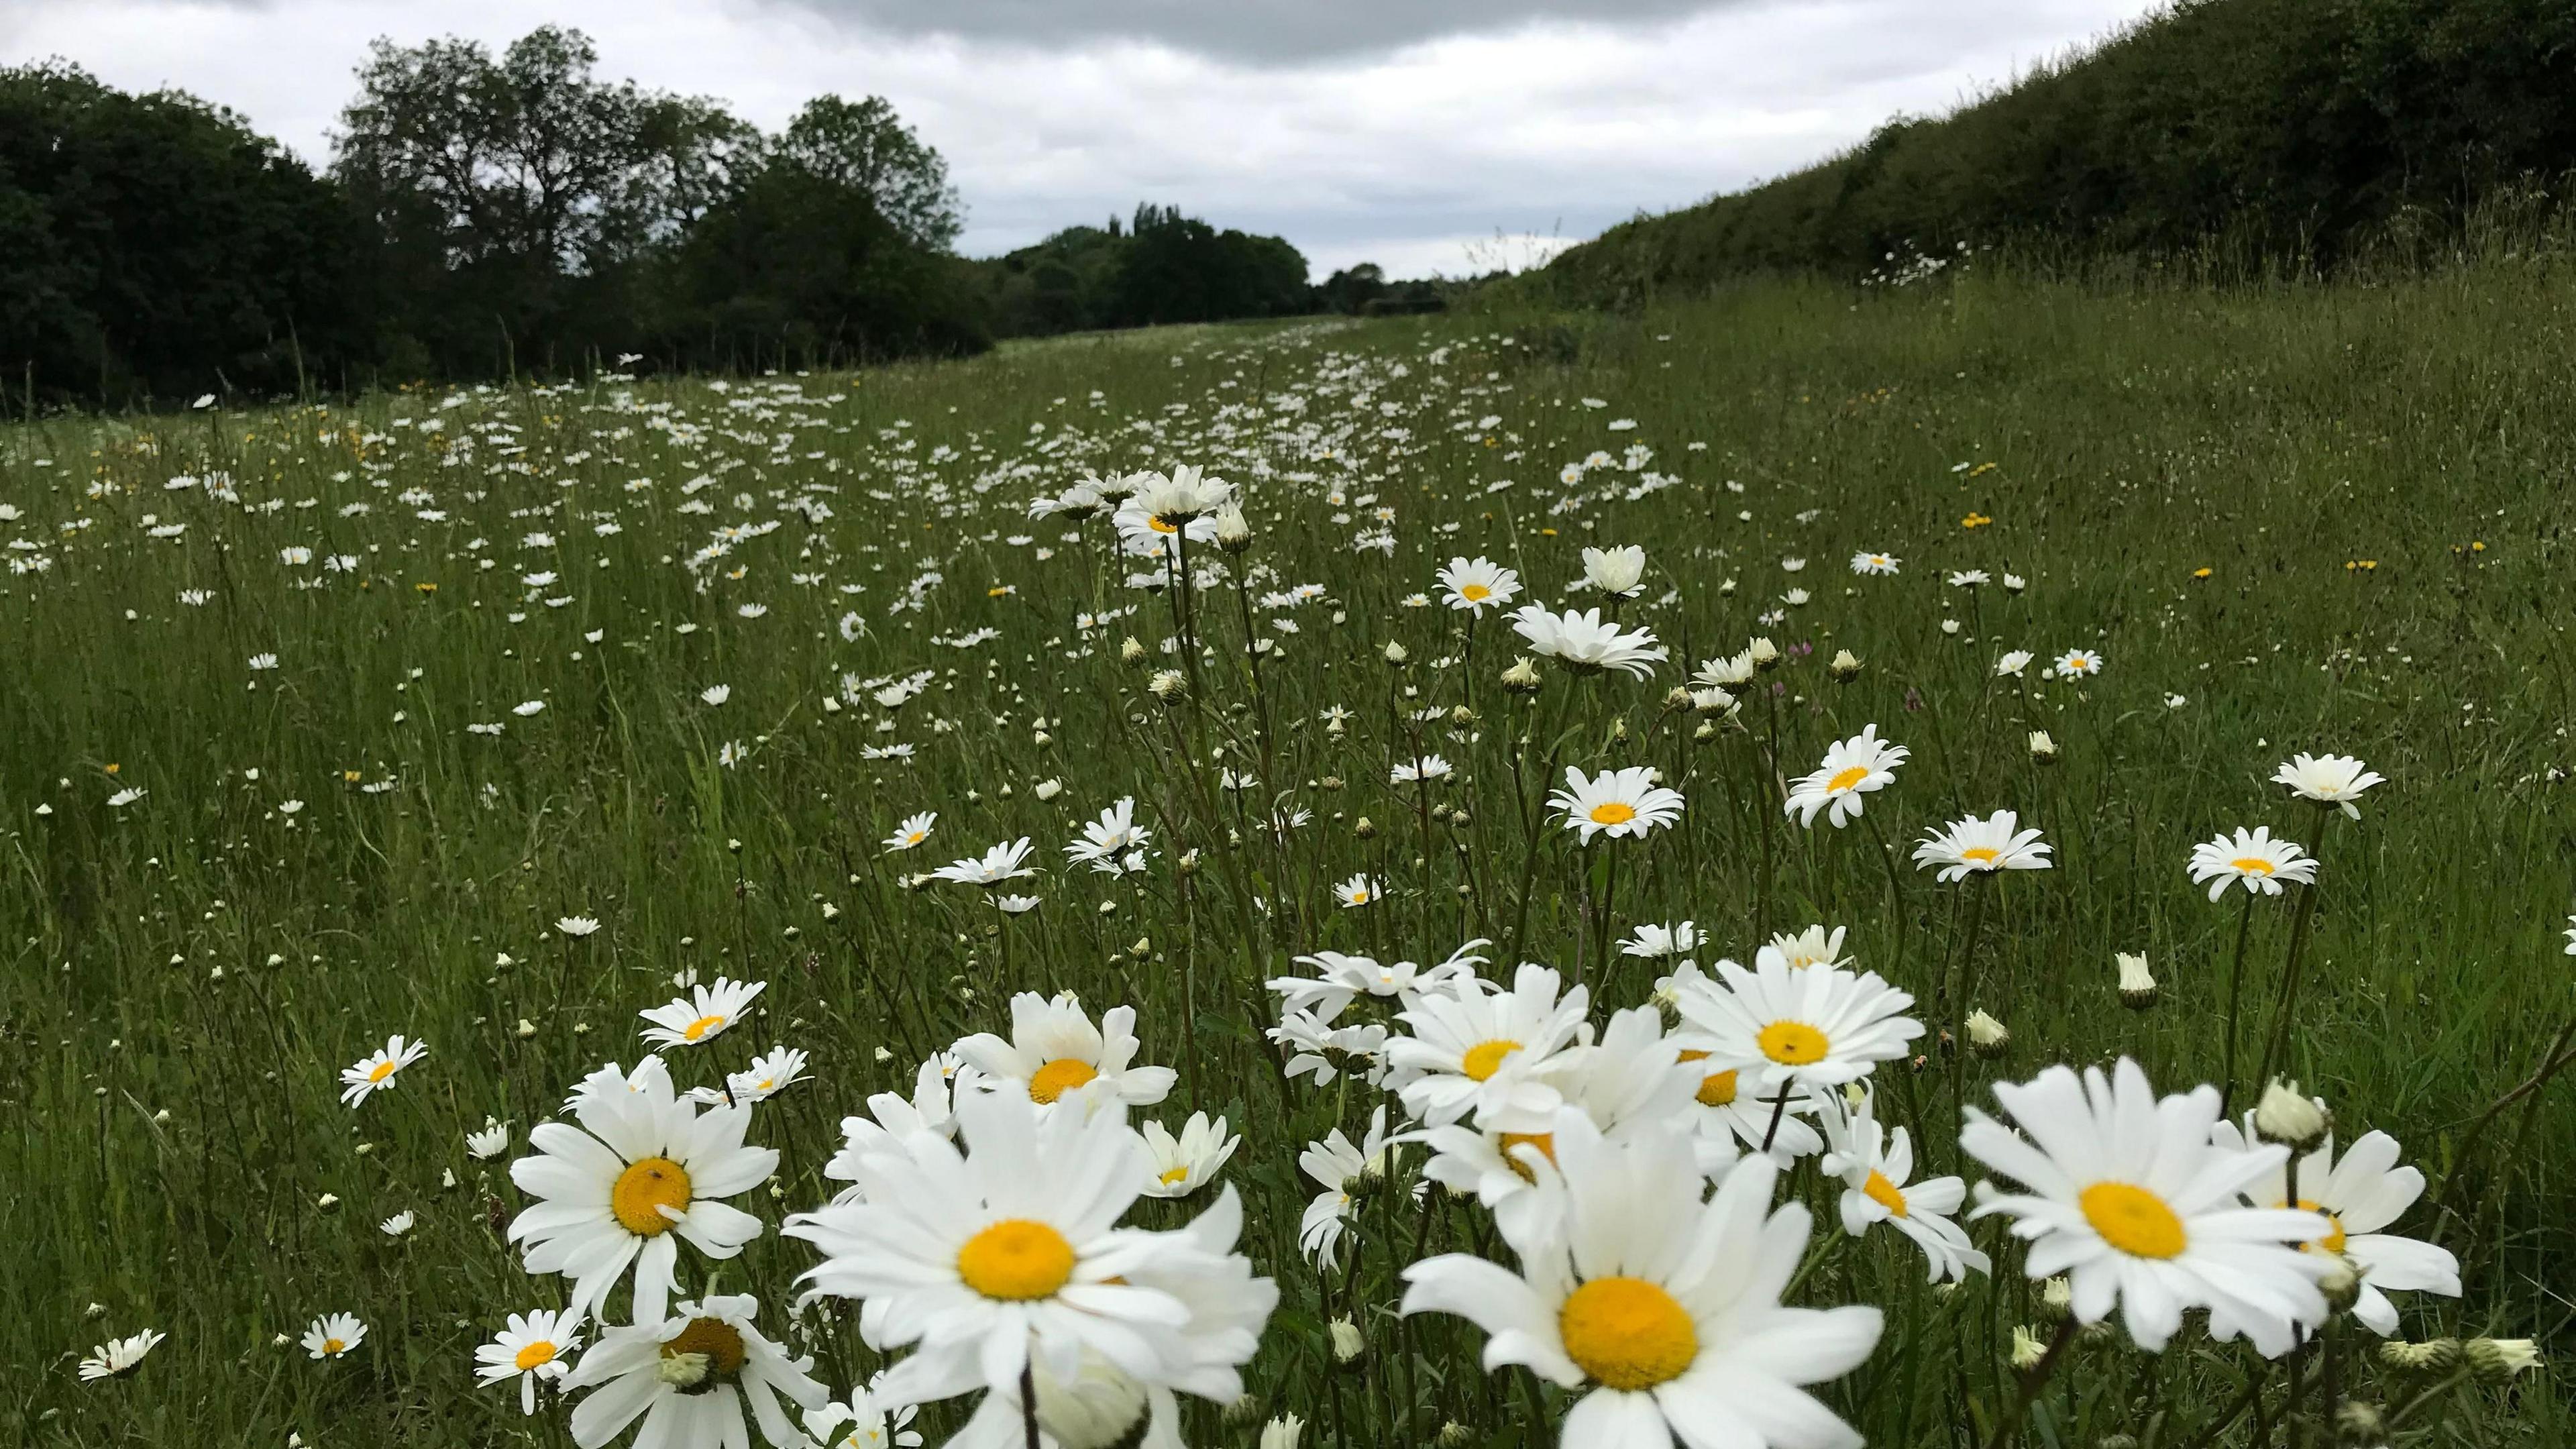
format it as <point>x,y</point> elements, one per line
<point>334,1335</point>
<point>1727,1118</point>
<point>2336,780</point>
<point>1182,1165</point>
<point>1876,1167</point>
<point>1873,564</point>
<point>2124,1192</point>
<point>118,1357</point>
<point>1336,1166</point>
<point>1814,946</point>
<point>376,1070</point>
<point>1419,770</point>
<point>1360,890</point>
<point>1616,803</point>
<point>1586,644</point>
<point>1114,844</point>
<point>1852,769</point>
<point>1981,845</point>
<point>703,1015</point>
<point>1821,1026</point>
<point>641,1173</point>
<point>1475,585</point>
<point>688,1377</point>
<point>1006,1253</point>
<point>1654,941</point>
<point>1001,863</point>
<point>1664,1309</point>
<point>1620,572</point>
<point>2360,1193</point>
<point>2079,663</point>
<point>769,1074</point>
<point>914,830</point>
<point>1054,1049</point>
<point>532,1348</point>
<point>2253,859</point>
<point>864,1421</point>
<point>1489,1051</point>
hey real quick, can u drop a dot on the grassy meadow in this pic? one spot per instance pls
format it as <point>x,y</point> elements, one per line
<point>319,719</point>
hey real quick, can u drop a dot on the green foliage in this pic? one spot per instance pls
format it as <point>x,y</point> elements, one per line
<point>2272,135</point>
<point>1163,268</point>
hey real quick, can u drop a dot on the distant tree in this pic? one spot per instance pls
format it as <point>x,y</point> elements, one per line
<point>865,146</point>
<point>1180,269</point>
<point>1352,289</point>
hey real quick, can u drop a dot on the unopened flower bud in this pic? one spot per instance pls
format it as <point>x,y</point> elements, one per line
<point>2289,1117</point>
<point>1233,532</point>
<point>2043,750</point>
<point>2028,1348</point>
<point>2341,1285</point>
<point>2433,1356</point>
<point>1131,650</point>
<point>1168,685</point>
<point>2498,1359</point>
<point>1348,1342</point>
<point>1987,1037</point>
<point>2057,1297</point>
<point>1522,677</point>
<point>2360,1425</point>
<point>1677,697</point>
<point>1454,1435</point>
<point>1845,666</point>
<point>1712,701</point>
<point>1282,1432</point>
<point>1366,829</point>
<point>1765,654</point>
<point>2137,984</point>
<point>1396,653</point>
<point>1461,716</point>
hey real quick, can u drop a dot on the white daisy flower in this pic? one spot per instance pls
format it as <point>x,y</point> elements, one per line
<point>530,1350</point>
<point>1333,1163</point>
<point>768,1075</point>
<point>1873,563</point>
<point>1054,1049</point>
<point>375,1071</point>
<point>490,1141</point>
<point>703,1015</point>
<point>1359,890</point>
<point>577,926</point>
<point>1001,863</point>
<point>1876,1168</point>
<point>334,1335</point>
<point>2360,1193</point>
<point>1419,770</point>
<point>120,1356</point>
<point>1616,803</point>
<point>1182,1165</point>
<point>1114,844</point>
<point>1619,572</point>
<point>1488,1051</point>
<point>1981,845</point>
<point>1820,1027</point>
<point>1665,1308</point>
<point>865,1421</point>
<point>643,1171</point>
<point>914,830</point>
<point>2336,780</point>
<point>1814,946</point>
<point>2013,663</point>
<point>1475,585</point>
<point>1852,768</point>
<point>1583,642</point>
<point>687,1377</point>
<point>2253,859</point>
<point>1654,941</point>
<point>2125,1193</point>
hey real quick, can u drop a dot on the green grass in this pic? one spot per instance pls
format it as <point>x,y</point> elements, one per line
<point>2377,482</point>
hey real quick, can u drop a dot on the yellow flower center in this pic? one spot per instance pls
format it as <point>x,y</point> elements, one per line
<point>1981,854</point>
<point>333,1346</point>
<point>2133,1220</point>
<point>1157,524</point>
<point>1175,1174</point>
<point>535,1355</point>
<point>1016,1260</point>
<point>1486,1058</point>
<point>1475,593</point>
<point>2333,1241</point>
<point>1059,1077</point>
<point>1847,777</point>
<point>381,1071</point>
<point>1717,1089</point>
<point>1613,812</point>
<point>1545,1142</point>
<point>1627,1333</point>
<point>643,1190</point>
<point>720,1341</point>
<point>700,1028</point>
<point>1792,1043</point>
<point>2252,865</point>
<point>1884,1193</point>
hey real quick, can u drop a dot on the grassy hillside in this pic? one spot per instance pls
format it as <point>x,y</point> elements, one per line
<point>320,722</point>
<point>2250,135</point>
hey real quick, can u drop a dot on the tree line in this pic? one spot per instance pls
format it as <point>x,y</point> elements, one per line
<point>486,216</point>
<point>2257,136</point>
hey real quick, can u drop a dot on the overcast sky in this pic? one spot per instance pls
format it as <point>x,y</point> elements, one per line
<point>1413,133</point>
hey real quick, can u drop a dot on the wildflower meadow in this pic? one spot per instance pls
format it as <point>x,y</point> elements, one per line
<point>1965,865</point>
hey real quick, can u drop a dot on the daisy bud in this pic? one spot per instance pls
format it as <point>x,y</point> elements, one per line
<point>1244,1408</point>
<point>1365,829</point>
<point>831,912</point>
<point>1329,782</point>
<point>2434,1356</point>
<point>1461,717</point>
<point>2043,750</point>
<point>1522,677</point>
<point>1143,948</point>
<point>1042,739</point>
<point>95,1310</point>
<point>1677,697</point>
<point>1765,654</point>
<point>327,1202</point>
<point>1348,1342</point>
<point>2288,1117</point>
<point>2057,1297</point>
<point>2015,583</point>
<point>1845,666</point>
<point>1167,685</point>
<point>1454,1435</point>
<point>1396,653</point>
<point>831,705</point>
<point>1282,1432</point>
<point>1131,651</point>
<point>2360,1425</point>
<point>1950,627</point>
<point>1706,731</point>
<point>2498,1359</point>
<point>1233,531</point>
<point>524,1029</point>
<point>1188,864</point>
<point>1619,730</point>
<point>2137,984</point>
<point>2028,1348</point>
<point>883,1055</point>
<point>2341,1285</point>
<point>1987,1037</point>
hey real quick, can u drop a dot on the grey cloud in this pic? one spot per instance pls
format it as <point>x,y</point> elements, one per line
<point>1257,32</point>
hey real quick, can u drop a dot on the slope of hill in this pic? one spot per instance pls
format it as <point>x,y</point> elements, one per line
<point>2277,134</point>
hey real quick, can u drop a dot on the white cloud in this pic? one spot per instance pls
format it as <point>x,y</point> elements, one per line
<point>1551,128</point>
